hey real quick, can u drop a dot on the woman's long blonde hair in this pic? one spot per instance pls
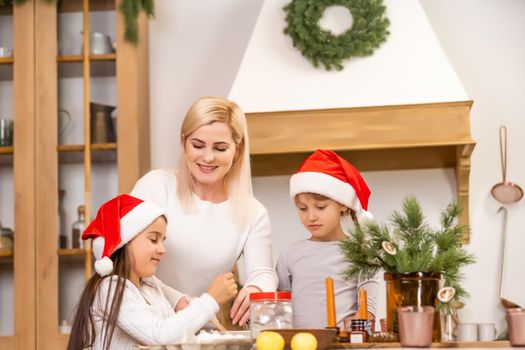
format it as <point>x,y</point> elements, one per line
<point>238,181</point>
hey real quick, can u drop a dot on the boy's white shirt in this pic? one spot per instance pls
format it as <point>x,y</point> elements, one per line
<point>147,316</point>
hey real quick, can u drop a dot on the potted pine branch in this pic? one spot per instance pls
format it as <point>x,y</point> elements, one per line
<point>417,260</point>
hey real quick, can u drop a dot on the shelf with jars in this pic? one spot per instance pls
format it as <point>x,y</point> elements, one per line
<point>67,153</point>
<point>91,89</point>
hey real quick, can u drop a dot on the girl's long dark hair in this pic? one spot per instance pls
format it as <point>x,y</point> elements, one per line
<point>83,329</point>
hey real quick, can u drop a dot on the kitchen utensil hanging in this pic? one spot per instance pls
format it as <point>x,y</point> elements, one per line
<point>506,303</point>
<point>505,191</point>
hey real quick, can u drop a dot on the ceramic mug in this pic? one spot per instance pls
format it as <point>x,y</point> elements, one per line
<point>467,332</point>
<point>6,52</point>
<point>415,325</point>
<point>99,44</point>
<point>486,332</point>
<point>516,323</point>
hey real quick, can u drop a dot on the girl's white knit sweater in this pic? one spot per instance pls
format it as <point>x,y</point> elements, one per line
<point>146,316</point>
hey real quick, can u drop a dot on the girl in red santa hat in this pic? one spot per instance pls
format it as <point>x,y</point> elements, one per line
<point>122,304</point>
<point>330,195</point>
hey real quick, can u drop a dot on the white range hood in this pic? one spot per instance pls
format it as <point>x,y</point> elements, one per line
<point>409,68</point>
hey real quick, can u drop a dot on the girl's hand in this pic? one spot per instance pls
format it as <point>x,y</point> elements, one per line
<point>182,303</point>
<point>240,312</point>
<point>223,288</point>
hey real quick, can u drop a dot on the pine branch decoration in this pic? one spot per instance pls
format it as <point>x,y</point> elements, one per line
<point>410,245</point>
<point>131,10</point>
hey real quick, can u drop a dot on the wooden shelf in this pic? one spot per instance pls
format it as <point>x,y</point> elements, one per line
<point>6,255</point>
<point>466,345</point>
<point>71,252</point>
<point>100,153</point>
<point>6,149</point>
<point>94,147</point>
<point>94,5</point>
<point>100,66</point>
<point>92,58</point>
<point>371,138</point>
<point>72,255</point>
<point>6,156</point>
<point>6,60</point>
<point>433,135</point>
<point>424,157</point>
<point>37,166</point>
<point>6,258</point>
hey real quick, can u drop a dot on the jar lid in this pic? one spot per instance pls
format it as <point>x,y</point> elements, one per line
<point>269,296</point>
<point>359,322</point>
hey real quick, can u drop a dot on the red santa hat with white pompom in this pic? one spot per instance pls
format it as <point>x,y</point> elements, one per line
<point>117,222</point>
<point>326,173</point>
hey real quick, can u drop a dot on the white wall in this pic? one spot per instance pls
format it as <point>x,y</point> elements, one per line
<point>196,51</point>
<point>484,42</point>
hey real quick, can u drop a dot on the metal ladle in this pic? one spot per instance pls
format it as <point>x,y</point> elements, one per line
<point>505,192</point>
<point>507,304</point>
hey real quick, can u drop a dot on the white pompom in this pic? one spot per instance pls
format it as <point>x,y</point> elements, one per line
<point>364,216</point>
<point>104,266</point>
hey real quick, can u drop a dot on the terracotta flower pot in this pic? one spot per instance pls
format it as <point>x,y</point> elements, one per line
<point>411,289</point>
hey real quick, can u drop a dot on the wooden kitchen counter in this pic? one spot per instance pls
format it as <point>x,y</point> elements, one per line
<point>469,345</point>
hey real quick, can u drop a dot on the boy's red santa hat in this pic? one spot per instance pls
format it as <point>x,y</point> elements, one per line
<point>327,174</point>
<point>118,221</point>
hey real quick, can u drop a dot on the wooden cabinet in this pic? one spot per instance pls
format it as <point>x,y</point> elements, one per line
<point>50,75</point>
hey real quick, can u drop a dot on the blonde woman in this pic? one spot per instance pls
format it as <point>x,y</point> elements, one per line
<point>212,214</point>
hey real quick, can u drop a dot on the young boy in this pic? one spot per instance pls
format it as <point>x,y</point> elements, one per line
<point>329,194</point>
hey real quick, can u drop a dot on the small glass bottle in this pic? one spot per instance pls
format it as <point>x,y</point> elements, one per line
<point>358,331</point>
<point>448,320</point>
<point>78,228</point>
<point>62,238</point>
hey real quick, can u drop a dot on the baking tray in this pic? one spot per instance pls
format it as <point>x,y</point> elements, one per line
<point>242,341</point>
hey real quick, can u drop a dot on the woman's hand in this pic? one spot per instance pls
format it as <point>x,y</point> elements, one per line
<point>240,312</point>
<point>223,288</point>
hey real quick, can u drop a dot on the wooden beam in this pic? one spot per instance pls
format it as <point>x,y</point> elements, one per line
<point>47,176</point>
<point>424,125</point>
<point>24,176</point>
<point>462,178</point>
<point>133,132</point>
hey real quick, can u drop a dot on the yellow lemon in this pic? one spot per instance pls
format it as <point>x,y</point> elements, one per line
<point>303,341</point>
<point>269,341</point>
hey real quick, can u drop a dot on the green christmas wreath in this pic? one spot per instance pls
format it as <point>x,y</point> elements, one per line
<point>369,30</point>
